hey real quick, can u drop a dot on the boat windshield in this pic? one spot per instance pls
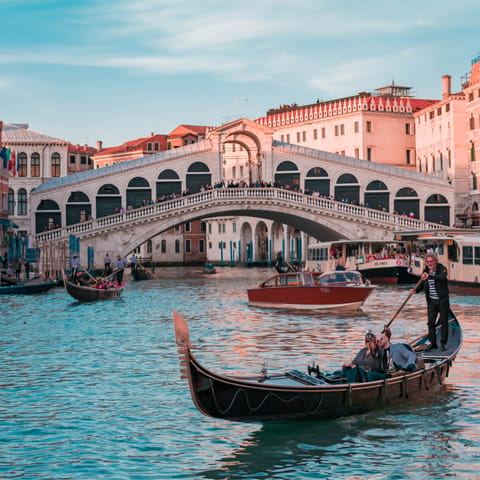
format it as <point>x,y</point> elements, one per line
<point>347,277</point>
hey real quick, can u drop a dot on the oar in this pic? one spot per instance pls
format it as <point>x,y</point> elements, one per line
<point>402,305</point>
<point>149,271</point>
<point>91,276</point>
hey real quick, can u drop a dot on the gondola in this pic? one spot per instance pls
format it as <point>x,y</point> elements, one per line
<point>296,395</point>
<point>139,274</point>
<point>84,293</point>
<point>27,288</point>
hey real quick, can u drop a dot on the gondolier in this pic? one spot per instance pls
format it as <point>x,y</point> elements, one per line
<point>435,284</point>
<point>75,264</point>
<point>119,265</point>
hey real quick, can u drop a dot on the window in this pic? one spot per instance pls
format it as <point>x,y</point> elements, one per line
<point>470,97</point>
<point>447,107</point>
<point>149,147</point>
<point>472,151</point>
<point>336,130</point>
<point>342,129</point>
<point>11,202</point>
<point>304,136</point>
<point>357,153</point>
<point>149,246</point>
<point>188,246</point>
<point>369,126</point>
<point>188,227</point>
<point>72,159</point>
<point>288,138</point>
<point>203,227</point>
<point>323,132</point>
<point>282,138</point>
<point>408,158</point>
<point>163,246</point>
<point>472,122</point>
<point>315,134</point>
<point>177,246</point>
<point>407,129</point>
<point>22,164</point>
<point>210,228</point>
<point>156,147</point>
<point>201,245</point>
<point>356,127</point>
<point>467,255</point>
<point>35,165</point>
<point>55,165</point>
<point>22,202</point>
<point>369,154</point>
<point>298,137</point>
<point>439,111</point>
<point>83,160</point>
<point>476,259</point>
<point>234,227</point>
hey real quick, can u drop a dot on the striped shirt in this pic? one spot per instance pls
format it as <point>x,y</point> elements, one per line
<point>432,290</point>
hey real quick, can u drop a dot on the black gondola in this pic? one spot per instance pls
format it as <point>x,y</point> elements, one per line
<point>84,293</point>
<point>298,395</point>
<point>140,274</point>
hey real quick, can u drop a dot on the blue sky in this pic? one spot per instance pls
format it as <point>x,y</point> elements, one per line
<point>107,70</point>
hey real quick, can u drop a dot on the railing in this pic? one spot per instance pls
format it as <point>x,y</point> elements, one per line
<point>237,196</point>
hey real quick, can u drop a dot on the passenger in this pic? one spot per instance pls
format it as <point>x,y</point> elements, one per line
<point>396,356</point>
<point>340,264</point>
<point>367,364</point>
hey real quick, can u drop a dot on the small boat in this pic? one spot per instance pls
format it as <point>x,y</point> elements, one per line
<point>385,262</point>
<point>298,395</point>
<point>29,288</point>
<point>311,290</point>
<point>209,268</point>
<point>84,293</point>
<point>140,274</point>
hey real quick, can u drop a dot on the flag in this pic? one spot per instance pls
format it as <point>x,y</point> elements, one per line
<point>12,163</point>
<point>3,154</point>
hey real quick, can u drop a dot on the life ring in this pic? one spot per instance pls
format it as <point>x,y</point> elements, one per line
<point>399,262</point>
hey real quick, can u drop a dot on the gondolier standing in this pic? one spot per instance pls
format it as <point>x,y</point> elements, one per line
<point>435,284</point>
<point>133,262</point>
<point>75,265</point>
<point>107,264</point>
<point>119,265</point>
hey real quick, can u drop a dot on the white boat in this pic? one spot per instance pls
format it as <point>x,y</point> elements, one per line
<point>458,250</point>
<point>378,261</point>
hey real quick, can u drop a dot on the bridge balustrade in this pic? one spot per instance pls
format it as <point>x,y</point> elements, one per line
<point>238,194</point>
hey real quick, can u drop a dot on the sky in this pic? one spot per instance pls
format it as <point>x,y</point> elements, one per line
<point>115,70</point>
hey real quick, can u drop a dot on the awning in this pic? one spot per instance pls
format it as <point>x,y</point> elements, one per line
<point>7,223</point>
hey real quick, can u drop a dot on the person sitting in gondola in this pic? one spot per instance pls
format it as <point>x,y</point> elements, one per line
<point>367,365</point>
<point>396,356</point>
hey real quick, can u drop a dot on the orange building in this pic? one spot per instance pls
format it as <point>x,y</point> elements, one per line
<point>377,127</point>
<point>80,158</point>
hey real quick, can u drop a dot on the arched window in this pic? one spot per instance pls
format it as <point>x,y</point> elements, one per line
<point>22,202</point>
<point>35,165</point>
<point>55,165</point>
<point>11,202</point>
<point>22,164</point>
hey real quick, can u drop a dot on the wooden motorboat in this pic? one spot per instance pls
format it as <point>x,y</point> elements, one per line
<point>27,288</point>
<point>84,293</point>
<point>302,395</point>
<point>311,290</point>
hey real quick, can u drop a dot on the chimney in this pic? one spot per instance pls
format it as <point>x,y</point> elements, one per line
<point>99,145</point>
<point>446,86</point>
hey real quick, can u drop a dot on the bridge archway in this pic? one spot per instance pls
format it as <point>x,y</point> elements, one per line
<point>48,216</point>
<point>78,209</point>
<point>407,202</point>
<point>377,196</point>
<point>168,184</point>
<point>138,192</point>
<point>198,177</point>
<point>437,209</point>
<point>347,189</point>
<point>108,201</point>
<point>288,175</point>
<point>317,180</point>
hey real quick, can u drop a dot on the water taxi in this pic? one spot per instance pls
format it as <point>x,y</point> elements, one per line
<point>379,261</point>
<point>458,250</point>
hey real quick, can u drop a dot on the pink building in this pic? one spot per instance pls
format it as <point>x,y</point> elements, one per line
<point>375,127</point>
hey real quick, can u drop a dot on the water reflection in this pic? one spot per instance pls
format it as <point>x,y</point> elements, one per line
<point>403,443</point>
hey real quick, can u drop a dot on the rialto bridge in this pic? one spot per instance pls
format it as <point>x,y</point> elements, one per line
<point>237,170</point>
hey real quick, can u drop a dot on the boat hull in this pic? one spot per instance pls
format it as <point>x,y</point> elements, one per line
<point>26,289</point>
<point>298,396</point>
<point>309,297</point>
<point>391,275</point>
<point>89,294</point>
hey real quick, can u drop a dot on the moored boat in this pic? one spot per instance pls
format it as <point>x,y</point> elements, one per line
<point>296,394</point>
<point>311,290</point>
<point>27,288</point>
<point>140,274</point>
<point>84,293</point>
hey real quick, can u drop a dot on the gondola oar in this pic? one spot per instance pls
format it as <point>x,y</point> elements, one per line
<point>402,305</point>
